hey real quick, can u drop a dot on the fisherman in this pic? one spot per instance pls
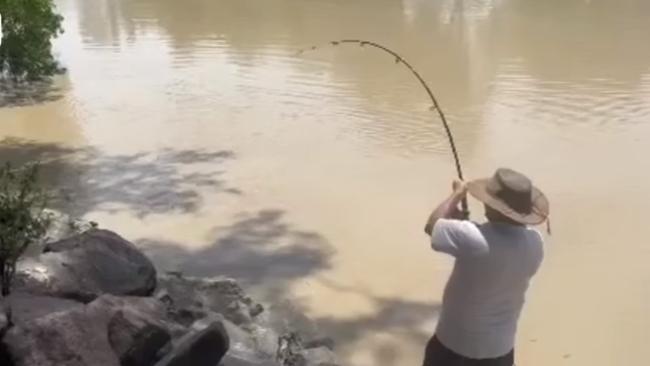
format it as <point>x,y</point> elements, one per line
<point>494,263</point>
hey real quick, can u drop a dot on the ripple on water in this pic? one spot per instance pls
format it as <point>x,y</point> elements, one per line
<point>595,102</point>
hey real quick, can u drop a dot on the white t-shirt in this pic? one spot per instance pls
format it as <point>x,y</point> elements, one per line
<point>486,289</point>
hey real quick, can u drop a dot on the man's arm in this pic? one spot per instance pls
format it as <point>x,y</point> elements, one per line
<point>448,209</point>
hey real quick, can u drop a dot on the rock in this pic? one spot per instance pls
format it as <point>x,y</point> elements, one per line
<point>284,318</point>
<point>71,338</point>
<point>266,340</point>
<point>289,347</point>
<point>239,339</point>
<point>191,296</point>
<point>326,342</point>
<point>135,340</point>
<point>99,334</point>
<point>25,307</point>
<point>203,348</point>
<point>87,265</point>
<point>4,319</point>
<point>245,357</point>
<point>321,356</point>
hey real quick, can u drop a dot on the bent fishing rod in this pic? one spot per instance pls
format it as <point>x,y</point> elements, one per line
<point>400,60</point>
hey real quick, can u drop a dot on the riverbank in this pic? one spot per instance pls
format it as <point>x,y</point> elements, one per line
<point>87,296</point>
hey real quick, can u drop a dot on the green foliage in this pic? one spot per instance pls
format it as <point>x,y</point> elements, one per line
<point>23,220</point>
<point>28,27</point>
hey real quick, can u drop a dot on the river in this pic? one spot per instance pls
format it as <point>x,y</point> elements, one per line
<point>194,129</point>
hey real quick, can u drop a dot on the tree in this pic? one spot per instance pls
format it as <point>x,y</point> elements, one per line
<point>28,27</point>
<point>23,219</point>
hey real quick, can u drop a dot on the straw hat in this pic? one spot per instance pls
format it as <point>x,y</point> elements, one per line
<point>512,194</point>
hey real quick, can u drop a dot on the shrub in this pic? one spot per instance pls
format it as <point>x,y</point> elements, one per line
<point>23,220</point>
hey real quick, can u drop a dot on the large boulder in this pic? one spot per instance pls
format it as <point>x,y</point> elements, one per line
<point>109,331</point>
<point>86,265</point>
<point>203,348</point>
<point>24,307</point>
<point>190,299</point>
<point>135,339</point>
<point>70,338</point>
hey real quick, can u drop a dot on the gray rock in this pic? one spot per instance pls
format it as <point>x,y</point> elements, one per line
<point>289,347</point>
<point>284,318</point>
<point>76,337</point>
<point>245,357</point>
<point>203,348</point>
<point>326,342</point>
<point>4,319</point>
<point>266,340</point>
<point>135,339</point>
<point>256,343</point>
<point>191,298</point>
<point>239,338</point>
<point>80,336</point>
<point>25,307</point>
<point>321,356</point>
<point>86,266</point>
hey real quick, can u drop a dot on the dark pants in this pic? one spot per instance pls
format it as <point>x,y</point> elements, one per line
<point>438,355</point>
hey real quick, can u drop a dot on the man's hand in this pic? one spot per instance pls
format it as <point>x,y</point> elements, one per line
<point>448,209</point>
<point>459,188</point>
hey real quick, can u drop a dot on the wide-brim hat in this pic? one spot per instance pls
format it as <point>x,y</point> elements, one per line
<point>512,194</point>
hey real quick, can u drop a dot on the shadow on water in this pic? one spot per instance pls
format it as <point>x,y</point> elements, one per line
<point>85,179</point>
<point>260,248</point>
<point>27,94</point>
<point>392,316</point>
<point>268,254</point>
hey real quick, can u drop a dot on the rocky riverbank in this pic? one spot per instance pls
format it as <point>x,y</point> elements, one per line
<point>94,299</point>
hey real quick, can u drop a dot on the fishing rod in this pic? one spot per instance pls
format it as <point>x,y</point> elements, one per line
<point>400,60</point>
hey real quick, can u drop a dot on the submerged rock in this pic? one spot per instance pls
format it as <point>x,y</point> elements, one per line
<point>87,265</point>
<point>321,356</point>
<point>190,299</point>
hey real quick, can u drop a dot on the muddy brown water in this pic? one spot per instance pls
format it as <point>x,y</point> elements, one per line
<point>193,129</point>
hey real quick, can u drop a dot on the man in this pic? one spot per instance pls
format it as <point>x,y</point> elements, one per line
<point>494,264</point>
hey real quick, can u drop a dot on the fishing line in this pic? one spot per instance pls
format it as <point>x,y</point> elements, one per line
<point>436,106</point>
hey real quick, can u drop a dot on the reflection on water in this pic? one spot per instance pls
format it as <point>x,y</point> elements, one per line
<point>194,129</point>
